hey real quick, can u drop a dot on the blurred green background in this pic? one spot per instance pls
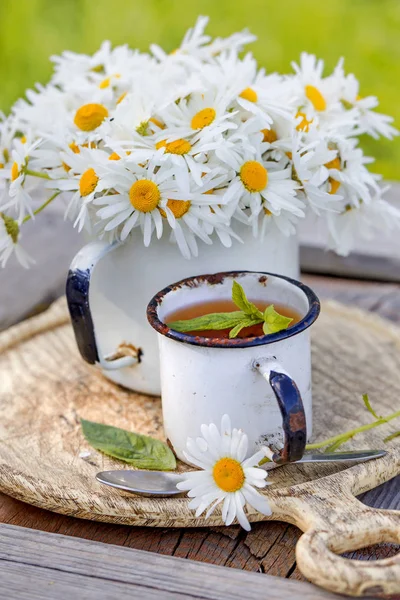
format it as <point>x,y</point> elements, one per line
<point>366,32</point>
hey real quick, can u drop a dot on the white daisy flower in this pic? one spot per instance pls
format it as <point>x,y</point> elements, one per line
<point>140,195</point>
<point>369,121</point>
<point>257,185</point>
<point>363,221</point>
<point>202,115</point>
<point>197,46</point>
<point>312,164</point>
<point>9,242</point>
<point>312,91</point>
<point>20,199</point>
<point>348,174</point>
<point>227,476</point>
<point>83,179</point>
<point>264,97</point>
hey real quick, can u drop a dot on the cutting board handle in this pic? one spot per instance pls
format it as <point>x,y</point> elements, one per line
<point>341,523</point>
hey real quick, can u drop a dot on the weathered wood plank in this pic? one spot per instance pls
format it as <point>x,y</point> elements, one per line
<point>41,565</point>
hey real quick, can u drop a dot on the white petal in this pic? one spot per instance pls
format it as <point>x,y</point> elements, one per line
<point>147,230</point>
<point>241,517</point>
<point>203,489</point>
<point>231,514</point>
<point>242,448</point>
<point>255,473</point>
<point>214,506</point>
<point>254,460</point>
<point>256,500</point>
<point>130,223</point>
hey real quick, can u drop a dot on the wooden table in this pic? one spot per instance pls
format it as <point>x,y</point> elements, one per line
<point>268,548</point>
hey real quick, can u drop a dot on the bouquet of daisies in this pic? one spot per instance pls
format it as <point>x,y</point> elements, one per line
<point>188,144</point>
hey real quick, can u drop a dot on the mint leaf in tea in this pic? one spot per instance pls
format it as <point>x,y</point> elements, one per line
<point>220,318</point>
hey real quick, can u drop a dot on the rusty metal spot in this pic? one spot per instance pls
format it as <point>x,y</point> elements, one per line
<point>126,349</point>
<point>297,421</point>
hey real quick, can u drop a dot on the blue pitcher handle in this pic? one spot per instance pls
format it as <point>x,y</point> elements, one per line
<point>77,291</point>
<point>291,407</point>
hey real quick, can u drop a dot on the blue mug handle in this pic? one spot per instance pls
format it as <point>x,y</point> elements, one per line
<point>292,410</point>
<point>78,299</point>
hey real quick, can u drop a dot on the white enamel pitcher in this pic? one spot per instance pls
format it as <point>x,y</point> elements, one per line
<point>263,383</point>
<point>109,287</point>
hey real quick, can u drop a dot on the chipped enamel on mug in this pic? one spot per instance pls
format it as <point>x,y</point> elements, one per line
<point>263,383</point>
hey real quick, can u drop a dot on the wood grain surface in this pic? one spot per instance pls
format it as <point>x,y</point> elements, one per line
<point>37,565</point>
<point>269,547</point>
<point>45,382</point>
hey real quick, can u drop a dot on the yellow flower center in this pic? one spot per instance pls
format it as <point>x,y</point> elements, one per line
<point>269,135</point>
<point>144,195</point>
<point>74,147</point>
<point>289,155</point>
<point>122,96</point>
<point>23,139</point>
<point>66,167</point>
<point>177,147</point>
<point>333,164</point>
<point>114,156</point>
<point>228,474</point>
<point>315,97</point>
<point>88,182</point>
<point>203,118</point>
<point>1,165</point>
<point>335,185</point>
<point>254,176</point>
<point>106,82</point>
<point>157,122</point>
<point>304,124</point>
<point>90,116</point>
<point>267,212</point>
<point>177,207</point>
<point>249,94</point>
<point>14,171</point>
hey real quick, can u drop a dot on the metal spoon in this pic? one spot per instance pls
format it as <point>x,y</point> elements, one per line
<point>162,483</point>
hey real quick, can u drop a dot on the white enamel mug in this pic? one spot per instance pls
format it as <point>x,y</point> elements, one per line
<point>262,383</point>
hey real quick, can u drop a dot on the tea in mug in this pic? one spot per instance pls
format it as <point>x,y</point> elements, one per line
<point>220,306</point>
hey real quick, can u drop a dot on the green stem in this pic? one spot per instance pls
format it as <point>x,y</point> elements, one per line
<point>37,174</point>
<point>344,437</point>
<point>42,207</point>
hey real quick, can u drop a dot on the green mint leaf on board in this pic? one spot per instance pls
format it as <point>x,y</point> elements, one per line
<point>240,299</point>
<point>141,451</point>
<point>214,321</point>
<point>273,321</point>
<point>369,407</point>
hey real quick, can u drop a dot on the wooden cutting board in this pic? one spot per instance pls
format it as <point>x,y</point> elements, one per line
<point>45,388</point>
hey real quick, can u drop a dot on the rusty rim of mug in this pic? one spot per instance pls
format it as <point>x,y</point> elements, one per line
<point>314,308</point>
